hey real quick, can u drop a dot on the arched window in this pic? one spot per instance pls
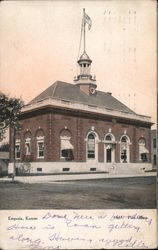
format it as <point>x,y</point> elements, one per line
<point>40,144</point>
<point>66,147</point>
<point>28,143</point>
<point>124,149</point>
<point>142,141</point>
<point>28,146</point>
<point>108,138</point>
<point>143,151</point>
<point>92,146</point>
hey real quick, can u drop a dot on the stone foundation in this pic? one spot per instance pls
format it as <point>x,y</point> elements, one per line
<point>43,168</point>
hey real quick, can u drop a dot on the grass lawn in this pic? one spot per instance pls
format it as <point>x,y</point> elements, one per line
<point>120,193</point>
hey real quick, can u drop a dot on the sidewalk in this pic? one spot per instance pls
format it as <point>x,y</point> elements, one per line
<point>69,177</point>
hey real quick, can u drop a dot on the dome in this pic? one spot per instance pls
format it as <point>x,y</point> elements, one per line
<point>84,57</point>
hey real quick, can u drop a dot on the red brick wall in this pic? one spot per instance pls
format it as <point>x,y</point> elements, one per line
<point>53,123</point>
<point>85,88</point>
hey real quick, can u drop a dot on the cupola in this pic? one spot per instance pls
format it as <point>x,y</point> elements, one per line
<point>85,81</point>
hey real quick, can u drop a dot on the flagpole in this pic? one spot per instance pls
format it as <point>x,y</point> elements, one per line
<point>84,29</point>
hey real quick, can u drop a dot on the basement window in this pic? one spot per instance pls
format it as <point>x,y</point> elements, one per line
<point>66,169</point>
<point>92,169</point>
<point>39,169</point>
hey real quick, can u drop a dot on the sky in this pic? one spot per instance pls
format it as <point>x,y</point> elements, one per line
<point>40,45</point>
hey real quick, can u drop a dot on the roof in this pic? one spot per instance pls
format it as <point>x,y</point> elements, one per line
<point>84,57</point>
<point>4,155</point>
<point>70,92</point>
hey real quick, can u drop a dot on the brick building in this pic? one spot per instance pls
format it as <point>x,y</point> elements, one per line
<point>78,123</point>
<point>75,127</point>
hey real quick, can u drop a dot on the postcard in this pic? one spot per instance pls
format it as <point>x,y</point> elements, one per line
<point>78,128</point>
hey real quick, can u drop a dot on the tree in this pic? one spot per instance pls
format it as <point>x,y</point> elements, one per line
<point>9,112</point>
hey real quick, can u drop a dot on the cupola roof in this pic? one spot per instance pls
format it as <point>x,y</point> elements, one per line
<point>84,57</point>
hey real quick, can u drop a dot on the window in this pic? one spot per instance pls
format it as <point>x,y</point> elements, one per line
<point>65,153</point>
<point>40,147</point>
<point>124,139</point>
<point>91,146</point>
<point>27,137</point>
<point>143,151</point>
<point>108,138</point>
<point>66,148</point>
<point>28,146</point>
<point>142,141</point>
<point>66,169</point>
<point>154,143</point>
<point>92,141</point>
<point>17,151</point>
<point>154,160</point>
<point>93,169</point>
<point>39,169</point>
<point>124,149</point>
<point>144,157</point>
<point>124,155</point>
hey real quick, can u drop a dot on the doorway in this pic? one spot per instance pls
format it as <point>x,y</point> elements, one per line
<point>108,154</point>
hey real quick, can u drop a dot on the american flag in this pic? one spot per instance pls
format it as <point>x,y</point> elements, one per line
<point>87,20</point>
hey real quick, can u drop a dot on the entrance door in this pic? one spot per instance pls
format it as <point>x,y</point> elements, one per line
<point>109,153</point>
<point>109,148</point>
